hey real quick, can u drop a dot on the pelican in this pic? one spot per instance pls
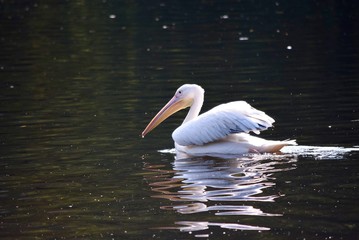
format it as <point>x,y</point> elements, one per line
<point>223,130</point>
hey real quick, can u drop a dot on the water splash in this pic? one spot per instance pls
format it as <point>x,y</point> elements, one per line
<point>319,153</point>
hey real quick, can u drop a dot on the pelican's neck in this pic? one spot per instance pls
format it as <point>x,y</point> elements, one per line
<point>196,105</point>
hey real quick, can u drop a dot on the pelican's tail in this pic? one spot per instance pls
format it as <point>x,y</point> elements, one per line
<point>275,146</point>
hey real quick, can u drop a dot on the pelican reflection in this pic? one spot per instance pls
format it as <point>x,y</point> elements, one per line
<point>219,186</point>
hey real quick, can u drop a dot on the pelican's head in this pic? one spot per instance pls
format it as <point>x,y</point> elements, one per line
<point>183,98</point>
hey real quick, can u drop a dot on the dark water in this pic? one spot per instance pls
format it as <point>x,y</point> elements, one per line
<point>79,81</point>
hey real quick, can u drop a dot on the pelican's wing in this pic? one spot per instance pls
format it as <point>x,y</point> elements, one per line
<point>219,122</point>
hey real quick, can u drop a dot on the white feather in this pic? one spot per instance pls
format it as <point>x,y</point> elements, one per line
<point>221,121</point>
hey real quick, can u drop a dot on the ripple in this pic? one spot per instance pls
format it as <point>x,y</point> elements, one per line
<point>220,187</point>
<point>192,226</point>
<point>319,152</point>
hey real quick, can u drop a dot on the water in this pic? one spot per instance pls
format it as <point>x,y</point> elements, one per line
<point>79,82</point>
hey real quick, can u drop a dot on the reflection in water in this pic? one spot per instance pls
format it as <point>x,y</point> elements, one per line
<point>190,226</point>
<point>216,185</point>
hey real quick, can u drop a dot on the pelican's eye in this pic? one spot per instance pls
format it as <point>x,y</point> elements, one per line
<point>179,92</point>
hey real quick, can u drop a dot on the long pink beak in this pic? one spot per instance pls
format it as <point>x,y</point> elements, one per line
<point>173,106</point>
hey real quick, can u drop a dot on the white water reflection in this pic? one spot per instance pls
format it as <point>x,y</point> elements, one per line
<point>192,226</point>
<point>219,187</point>
<point>227,186</point>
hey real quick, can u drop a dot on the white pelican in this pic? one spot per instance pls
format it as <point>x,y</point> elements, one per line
<point>223,130</point>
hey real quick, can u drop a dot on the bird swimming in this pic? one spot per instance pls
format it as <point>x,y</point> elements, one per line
<point>222,130</point>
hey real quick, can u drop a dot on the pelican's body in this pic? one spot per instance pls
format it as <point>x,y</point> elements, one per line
<point>222,130</point>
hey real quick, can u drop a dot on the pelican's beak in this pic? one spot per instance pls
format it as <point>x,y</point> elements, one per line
<point>173,106</point>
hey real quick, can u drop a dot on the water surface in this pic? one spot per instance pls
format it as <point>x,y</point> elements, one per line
<point>79,81</point>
